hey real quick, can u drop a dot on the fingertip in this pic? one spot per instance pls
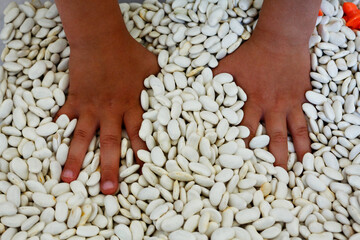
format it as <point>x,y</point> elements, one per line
<point>109,187</point>
<point>68,176</point>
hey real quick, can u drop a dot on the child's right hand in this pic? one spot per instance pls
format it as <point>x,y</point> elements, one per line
<point>107,70</point>
<point>106,79</point>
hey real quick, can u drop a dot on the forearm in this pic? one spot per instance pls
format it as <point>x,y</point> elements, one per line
<point>89,21</point>
<point>287,21</point>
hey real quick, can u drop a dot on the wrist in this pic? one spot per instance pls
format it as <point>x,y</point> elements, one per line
<point>97,36</point>
<point>92,23</point>
<point>285,23</point>
<point>280,39</point>
<point>117,45</point>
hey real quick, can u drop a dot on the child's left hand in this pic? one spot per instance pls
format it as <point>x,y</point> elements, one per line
<point>275,76</point>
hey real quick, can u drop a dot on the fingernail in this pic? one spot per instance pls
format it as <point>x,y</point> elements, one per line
<point>107,185</point>
<point>68,174</point>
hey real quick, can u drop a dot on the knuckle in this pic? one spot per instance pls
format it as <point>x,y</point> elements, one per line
<point>279,105</point>
<point>81,134</point>
<point>301,132</point>
<point>89,111</point>
<point>110,139</point>
<point>278,137</point>
<point>259,99</point>
<point>255,104</point>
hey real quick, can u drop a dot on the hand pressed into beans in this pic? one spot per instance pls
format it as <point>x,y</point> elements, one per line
<point>107,67</point>
<point>273,69</point>
<point>259,69</point>
<point>113,102</point>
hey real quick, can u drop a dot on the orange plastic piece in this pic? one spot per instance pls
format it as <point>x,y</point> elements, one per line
<point>350,8</point>
<point>352,15</point>
<point>320,13</point>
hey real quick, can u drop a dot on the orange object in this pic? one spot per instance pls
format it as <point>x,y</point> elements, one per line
<point>350,8</point>
<point>354,22</point>
<point>352,15</point>
<point>320,13</point>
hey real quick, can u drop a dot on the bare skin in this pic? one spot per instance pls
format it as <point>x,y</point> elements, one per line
<point>105,86</point>
<point>104,90</point>
<point>273,68</point>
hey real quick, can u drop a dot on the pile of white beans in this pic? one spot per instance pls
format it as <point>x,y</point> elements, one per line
<point>199,181</point>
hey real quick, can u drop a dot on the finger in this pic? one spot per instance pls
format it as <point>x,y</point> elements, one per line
<point>110,141</point>
<point>277,131</point>
<point>224,66</point>
<point>252,116</point>
<point>68,109</point>
<point>299,132</point>
<point>218,69</point>
<point>84,132</point>
<point>132,121</point>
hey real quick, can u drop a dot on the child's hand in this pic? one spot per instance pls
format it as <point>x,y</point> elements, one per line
<point>275,77</point>
<point>106,80</point>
